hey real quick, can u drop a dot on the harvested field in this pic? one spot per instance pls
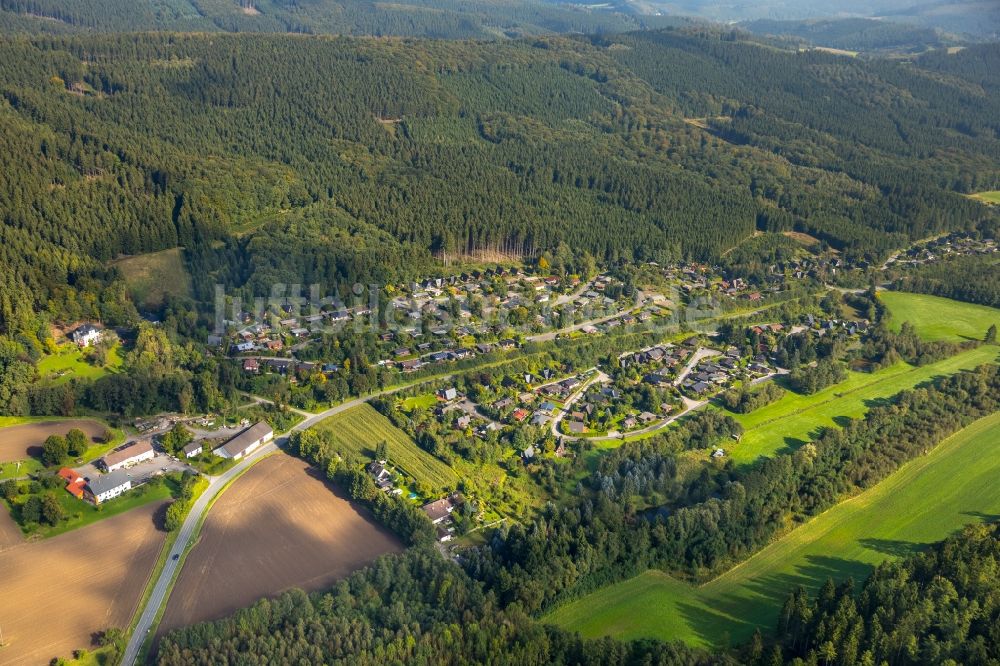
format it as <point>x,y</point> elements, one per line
<point>25,440</point>
<point>58,592</point>
<point>279,526</point>
<point>10,533</point>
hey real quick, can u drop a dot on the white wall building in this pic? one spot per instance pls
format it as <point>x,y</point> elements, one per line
<point>130,455</point>
<point>109,486</point>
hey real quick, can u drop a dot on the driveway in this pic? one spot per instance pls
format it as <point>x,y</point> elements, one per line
<point>161,463</point>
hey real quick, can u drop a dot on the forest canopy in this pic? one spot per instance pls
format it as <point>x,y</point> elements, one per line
<point>386,153</point>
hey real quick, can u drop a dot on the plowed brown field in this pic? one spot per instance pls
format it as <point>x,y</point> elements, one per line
<point>279,526</point>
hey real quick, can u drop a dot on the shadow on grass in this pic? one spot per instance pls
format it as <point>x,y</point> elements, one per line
<point>892,547</point>
<point>985,517</point>
<point>757,603</point>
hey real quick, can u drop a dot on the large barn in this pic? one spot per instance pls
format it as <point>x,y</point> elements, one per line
<point>246,442</point>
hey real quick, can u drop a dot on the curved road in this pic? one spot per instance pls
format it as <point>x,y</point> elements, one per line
<point>189,530</point>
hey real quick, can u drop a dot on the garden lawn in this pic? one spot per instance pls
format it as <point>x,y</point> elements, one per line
<point>359,430</point>
<point>422,401</point>
<point>68,363</point>
<point>924,502</point>
<point>795,419</point>
<point>937,318</point>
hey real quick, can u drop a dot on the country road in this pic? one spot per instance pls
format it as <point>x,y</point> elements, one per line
<point>216,484</point>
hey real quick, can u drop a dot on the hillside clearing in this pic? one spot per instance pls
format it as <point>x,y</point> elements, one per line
<point>152,277</point>
<point>987,197</point>
<point>69,363</point>
<point>925,501</point>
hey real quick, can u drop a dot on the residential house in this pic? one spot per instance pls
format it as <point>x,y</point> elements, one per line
<point>193,449</point>
<point>439,510</point>
<point>86,335</point>
<point>75,484</point>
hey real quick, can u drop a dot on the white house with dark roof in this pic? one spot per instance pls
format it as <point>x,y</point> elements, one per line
<point>86,335</point>
<point>109,486</point>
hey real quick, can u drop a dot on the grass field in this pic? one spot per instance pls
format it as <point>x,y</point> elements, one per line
<point>937,318</point>
<point>794,419</point>
<point>988,197</point>
<point>69,363</point>
<point>151,277</point>
<point>924,502</point>
<point>360,429</point>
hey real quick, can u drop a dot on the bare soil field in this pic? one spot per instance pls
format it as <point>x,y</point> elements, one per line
<point>59,593</point>
<point>10,533</point>
<point>279,526</point>
<point>25,440</point>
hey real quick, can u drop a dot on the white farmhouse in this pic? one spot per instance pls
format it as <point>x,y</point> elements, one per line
<point>109,486</point>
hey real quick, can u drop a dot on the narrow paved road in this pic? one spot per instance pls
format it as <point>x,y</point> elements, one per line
<point>216,484</point>
<point>552,335</point>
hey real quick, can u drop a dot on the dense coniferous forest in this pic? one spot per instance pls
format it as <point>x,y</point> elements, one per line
<point>444,19</point>
<point>330,159</point>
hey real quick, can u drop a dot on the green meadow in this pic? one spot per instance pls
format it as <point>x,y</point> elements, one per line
<point>795,419</point>
<point>937,318</point>
<point>925,501</point>
<point>68,362</point>
<point>987,197</point>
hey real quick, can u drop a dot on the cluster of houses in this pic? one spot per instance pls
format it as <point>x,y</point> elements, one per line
<point>115,481</point>
<point>660,360</point>
<point>940,248</point>
<point>432,320</point>
<point>604,400</point>
<point>718,372</point>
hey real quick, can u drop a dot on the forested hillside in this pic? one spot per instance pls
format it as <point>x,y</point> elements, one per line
<point>334,160</point>
<point>447,19</point>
